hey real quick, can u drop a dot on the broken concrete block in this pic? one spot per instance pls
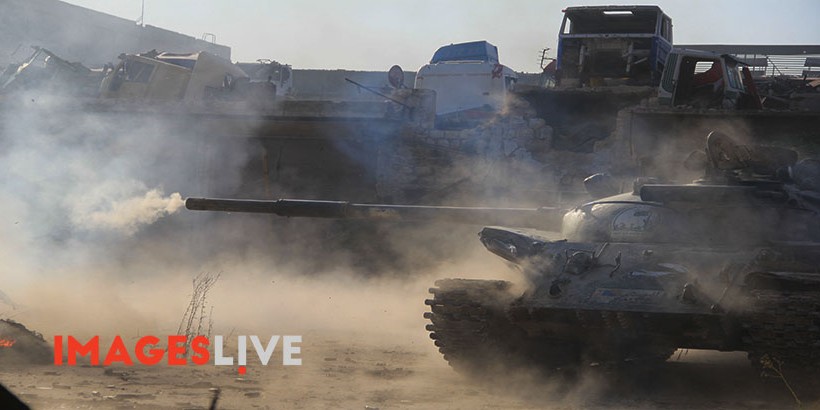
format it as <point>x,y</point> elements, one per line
<point>536,123</point>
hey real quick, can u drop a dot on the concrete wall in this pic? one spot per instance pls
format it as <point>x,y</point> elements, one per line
<point>331,84</point>
<point>79,34</point>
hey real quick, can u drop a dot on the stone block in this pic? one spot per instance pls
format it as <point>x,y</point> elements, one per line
<point>536,123</point>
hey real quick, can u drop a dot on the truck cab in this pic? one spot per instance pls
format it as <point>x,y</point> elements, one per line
<point>272,72</point>
<point>468,79</point>
<point>703,79</point>
<point>172,77</point>
<point>612,45</point>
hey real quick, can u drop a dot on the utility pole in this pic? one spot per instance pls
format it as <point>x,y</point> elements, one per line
<point>141,21</point>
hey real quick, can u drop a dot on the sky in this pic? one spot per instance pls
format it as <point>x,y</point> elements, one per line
<point>374,35</point>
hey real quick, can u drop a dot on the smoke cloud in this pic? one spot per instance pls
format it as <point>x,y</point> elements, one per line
<point>129,214</point>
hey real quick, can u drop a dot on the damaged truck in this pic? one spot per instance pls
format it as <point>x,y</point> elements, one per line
<point>46,72</point>
<point>153,76</point>
<point>163,76</point>
<point>600,45</point>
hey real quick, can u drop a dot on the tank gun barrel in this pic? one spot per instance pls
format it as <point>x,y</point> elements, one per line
<point>544,217</point>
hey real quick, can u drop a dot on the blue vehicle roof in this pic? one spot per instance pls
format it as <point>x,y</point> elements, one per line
<point>472,51</point>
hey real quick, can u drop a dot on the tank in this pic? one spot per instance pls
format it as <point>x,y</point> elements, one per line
<point>729,263</point>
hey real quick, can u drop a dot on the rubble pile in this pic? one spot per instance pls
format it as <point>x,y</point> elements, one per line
<point>512,158</point>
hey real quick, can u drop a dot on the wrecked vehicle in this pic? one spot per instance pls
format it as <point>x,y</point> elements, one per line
<point>269,71</point>
<point>163,76</point>
<point>727,83</point>
<point>470,83</point>
<point>155,76</point>
<point>708,80</point>
<point>47,72</point>
<point>601,45</point>
<point>727,263</point>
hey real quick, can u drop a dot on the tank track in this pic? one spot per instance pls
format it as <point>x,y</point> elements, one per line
<point>470,327</point>
<point>462,315</point>
<point>784,326</point>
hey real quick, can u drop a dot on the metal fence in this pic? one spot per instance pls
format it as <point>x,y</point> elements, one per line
<point>771,60</point>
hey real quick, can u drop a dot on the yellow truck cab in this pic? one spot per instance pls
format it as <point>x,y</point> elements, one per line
<point>171,77</point>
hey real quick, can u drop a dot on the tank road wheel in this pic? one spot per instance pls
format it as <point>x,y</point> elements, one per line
<point>470,327</point>
<point>468,324</point>
<point>783,333</point>
<point>620,339</point>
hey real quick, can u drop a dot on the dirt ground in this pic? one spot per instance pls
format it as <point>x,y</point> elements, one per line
<point>364,346</point>
<point>344,370</point>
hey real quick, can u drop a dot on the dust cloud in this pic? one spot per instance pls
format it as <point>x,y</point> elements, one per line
<point>90,249</point>
<point>93,246</point>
